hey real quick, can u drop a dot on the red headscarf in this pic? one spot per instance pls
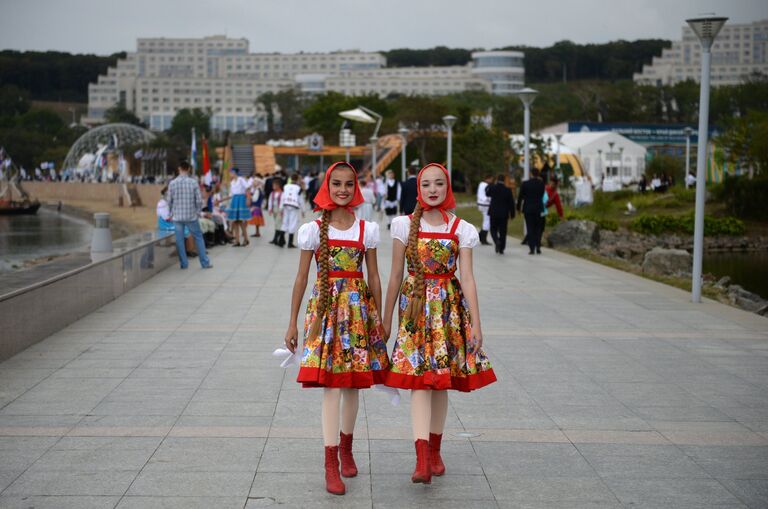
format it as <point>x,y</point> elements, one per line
<point>448,203</point>
<point>323,200</point>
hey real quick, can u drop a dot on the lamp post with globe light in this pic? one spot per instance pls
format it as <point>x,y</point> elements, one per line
<point>706,29</point>
<point>527,96</point>
<point>449,121</point>
<point>404,133</point>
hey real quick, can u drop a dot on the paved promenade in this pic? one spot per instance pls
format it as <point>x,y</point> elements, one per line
<point>613,392</point>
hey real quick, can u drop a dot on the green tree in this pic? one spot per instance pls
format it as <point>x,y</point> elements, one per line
<point>120,114</point>
<point>746,142</point>
<point>479,151</point>
<point>13,101</point>
<point>186,119</point>
<point>267,101</point>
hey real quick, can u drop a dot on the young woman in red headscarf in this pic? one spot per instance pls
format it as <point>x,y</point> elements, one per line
<point>439,337</point>
<point>344,349</point>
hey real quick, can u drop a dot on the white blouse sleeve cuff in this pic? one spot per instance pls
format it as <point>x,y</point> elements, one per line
<point>467,234</point>
<point>371,235</point>
<point>308,236</point>
<point>399,229</point>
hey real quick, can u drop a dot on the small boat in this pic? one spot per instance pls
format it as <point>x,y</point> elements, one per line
<point>25,206</point>
<point>18,208</point>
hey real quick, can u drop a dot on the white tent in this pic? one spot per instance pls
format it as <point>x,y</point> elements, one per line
<point>622,162</point>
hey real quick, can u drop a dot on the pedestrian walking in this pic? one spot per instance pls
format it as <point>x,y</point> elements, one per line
<point>292,207</point>
<point>439,337</point>
<point>500,211</point>
<point>185,203</point>
<point>553,198</point>
<point>392,196</point>
<point>409,193</point>
<point>483,202</point>
<point>529,202</point>
<point>344,349</point>
<point>273,207</point>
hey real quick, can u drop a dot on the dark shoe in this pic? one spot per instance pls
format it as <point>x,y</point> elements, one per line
<point>484,238</point>
<point>348,467</point>
<point>422,473</point>
<point>435,460</point>
<point>538,250</point>
<point>290,241</point>
<point>333,482</point>
<point>210,266</point>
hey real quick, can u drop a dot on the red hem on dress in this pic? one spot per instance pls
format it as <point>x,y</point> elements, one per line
<point>316,377</point>
<point>431,381</point>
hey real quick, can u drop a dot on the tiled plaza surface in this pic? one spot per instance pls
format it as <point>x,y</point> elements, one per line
<point>613,392</point>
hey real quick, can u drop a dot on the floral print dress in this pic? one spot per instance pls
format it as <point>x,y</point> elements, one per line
<point>350,351</point>
<point>432,352</point>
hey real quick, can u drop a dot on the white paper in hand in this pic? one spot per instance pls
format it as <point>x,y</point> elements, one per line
<point>288,357</point>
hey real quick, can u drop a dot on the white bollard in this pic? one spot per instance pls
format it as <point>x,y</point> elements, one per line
<point>101,242</point>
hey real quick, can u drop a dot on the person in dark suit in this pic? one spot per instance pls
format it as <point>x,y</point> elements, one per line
<point>501,209</point>
<point>530,203</point>
<point>409,192</point>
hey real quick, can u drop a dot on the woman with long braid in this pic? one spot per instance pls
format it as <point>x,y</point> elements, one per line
<point>343,345</point>
<point>439,338</point>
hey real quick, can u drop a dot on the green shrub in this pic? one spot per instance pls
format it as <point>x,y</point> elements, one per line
<point>601,203</point>
<point>605,224</point>
<point>745,198</point>
<point>552,220</point>
<point>658,223</point>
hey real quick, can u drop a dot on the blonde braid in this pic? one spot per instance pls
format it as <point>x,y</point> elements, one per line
<point>323,284</point>
<point>416,305</point>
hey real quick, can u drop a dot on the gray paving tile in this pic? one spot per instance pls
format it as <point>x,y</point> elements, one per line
<point>147,502</point>
<point>576,490</point>
<point>752,492</point>
<point>194,484</point>
<point>73,483</point>
<point>641,461</point>
<point>394,487</point>
<point>533,459</point>
<point>734,462</point>
<point>281,490</point>
<point>207,454</point>
<point>684,493</point>
<point>58,502</point>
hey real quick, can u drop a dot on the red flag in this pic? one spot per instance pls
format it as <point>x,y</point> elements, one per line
<point>206,163</point>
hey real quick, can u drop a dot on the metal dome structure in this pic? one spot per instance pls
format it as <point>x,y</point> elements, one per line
<point>111,136</point>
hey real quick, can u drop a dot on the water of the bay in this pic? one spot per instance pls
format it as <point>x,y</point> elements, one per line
<point>48,233</point>
<point>750,270</point>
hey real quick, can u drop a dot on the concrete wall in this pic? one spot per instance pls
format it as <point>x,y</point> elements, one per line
<point>34,313</point>
<point>55,191</point>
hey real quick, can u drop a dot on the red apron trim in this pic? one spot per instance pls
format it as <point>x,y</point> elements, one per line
<point>432,381</point>
<point>316,377</point>
<point>345,273</point>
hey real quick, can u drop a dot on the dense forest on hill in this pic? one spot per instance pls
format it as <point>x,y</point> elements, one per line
<point>565,59</point>
<point>53,75</point>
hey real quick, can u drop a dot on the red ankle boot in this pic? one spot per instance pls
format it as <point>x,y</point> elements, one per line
<point>333,482</point>
<point>348,467</point>
<point>422,473</point>
<point>435,460</point>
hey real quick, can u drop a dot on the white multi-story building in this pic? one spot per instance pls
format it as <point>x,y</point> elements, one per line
<point>738,51</point>
<point>218,73</point>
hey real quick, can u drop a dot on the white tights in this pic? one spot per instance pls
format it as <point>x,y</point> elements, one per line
<point>349,403</point>
<point>428,412</point>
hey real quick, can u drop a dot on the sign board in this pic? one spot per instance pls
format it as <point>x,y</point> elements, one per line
<point>644,134</point>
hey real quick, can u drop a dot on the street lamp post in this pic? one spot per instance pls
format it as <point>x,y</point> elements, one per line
<point>706,29</point>
<point>688,132</point>
<point>600,166</point>
<point>527,96</point>
<point>449,120</point>
<point>610,154</point>
<point>621,162</point>
<point>404,133</point>
<point>558,137</point>
<point>365,115</point>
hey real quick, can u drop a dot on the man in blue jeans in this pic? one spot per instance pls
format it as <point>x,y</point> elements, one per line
<point>185,202</point>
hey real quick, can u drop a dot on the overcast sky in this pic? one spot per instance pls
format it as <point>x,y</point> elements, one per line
<point>107,26</point>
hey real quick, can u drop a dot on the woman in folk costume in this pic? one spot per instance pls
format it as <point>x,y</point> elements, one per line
<point>439,337</point>
<point>238,212</point>
<point>257,198</point>
<point>343,345</point>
